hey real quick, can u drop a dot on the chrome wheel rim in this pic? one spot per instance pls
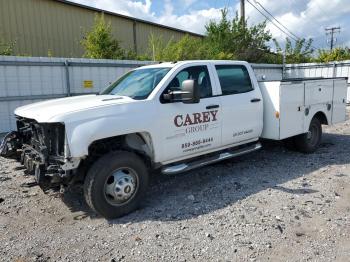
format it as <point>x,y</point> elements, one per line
<point>120,186</point>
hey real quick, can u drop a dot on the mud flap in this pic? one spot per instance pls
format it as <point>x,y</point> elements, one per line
<point>8,146</point>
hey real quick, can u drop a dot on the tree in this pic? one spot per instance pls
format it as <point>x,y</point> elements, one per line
<point>219,36</point>
<point>156,47</point>
<point>99,42</point>
<point>301,52</point>
<point>337,54</point>
<point>237,40</point>
<point>187,48</point>
<point>224,40</point>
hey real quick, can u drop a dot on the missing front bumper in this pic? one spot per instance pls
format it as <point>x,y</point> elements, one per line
<point>49,171</point>
<point>9,145</point>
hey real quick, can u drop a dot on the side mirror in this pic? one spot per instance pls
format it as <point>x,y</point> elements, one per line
<point>189,94</point>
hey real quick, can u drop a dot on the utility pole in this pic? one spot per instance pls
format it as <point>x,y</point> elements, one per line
<point>331,31</point>
<point>243,10</point>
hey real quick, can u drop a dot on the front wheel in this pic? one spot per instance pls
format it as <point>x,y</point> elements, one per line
<point>310,141</point>
<point>115,184</point>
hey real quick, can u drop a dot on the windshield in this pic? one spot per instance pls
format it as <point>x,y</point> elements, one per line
<point>137,84</point>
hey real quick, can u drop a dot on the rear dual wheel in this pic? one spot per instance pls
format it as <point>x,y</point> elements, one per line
<point>310,141</point>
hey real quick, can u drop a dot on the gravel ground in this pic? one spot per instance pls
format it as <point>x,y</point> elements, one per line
<point>271,205</point>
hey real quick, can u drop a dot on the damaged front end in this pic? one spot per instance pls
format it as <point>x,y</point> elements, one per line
<point>42,148</point>
<point>9,145</point>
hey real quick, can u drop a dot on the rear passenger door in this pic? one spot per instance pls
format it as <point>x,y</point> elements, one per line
<point>242,105</point>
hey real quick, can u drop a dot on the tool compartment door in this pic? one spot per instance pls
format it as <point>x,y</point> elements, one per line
<point>270,91</point>
<point>339,101</point>
<point>291,109</point>
<point>318,92</point>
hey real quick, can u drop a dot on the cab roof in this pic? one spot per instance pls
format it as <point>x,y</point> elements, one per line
<point>172,64</point>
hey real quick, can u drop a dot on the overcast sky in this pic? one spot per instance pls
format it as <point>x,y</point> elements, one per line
<point>304,18</point>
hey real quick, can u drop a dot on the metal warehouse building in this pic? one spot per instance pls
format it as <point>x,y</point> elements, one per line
<point>40,26</point>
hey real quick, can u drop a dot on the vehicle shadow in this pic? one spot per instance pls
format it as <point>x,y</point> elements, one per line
<point>211,188</point>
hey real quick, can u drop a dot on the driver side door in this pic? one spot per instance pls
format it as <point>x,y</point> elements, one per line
<point>189,129</point>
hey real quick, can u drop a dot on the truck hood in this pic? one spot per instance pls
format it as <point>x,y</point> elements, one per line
<point>47,110</point>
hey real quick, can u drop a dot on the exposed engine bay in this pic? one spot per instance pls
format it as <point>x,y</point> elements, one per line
<point>40,147</point>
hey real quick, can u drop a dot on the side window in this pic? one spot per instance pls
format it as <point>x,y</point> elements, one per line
<point>234,79</point>
<point>199,74</point>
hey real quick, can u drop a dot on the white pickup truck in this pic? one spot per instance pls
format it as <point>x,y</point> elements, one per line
<point>171,117</point>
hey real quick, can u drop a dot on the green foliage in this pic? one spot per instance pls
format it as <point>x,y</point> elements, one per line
<point>301,52</point>
<point>236,40</point>
<point>219,37</point>
<point>224,40</point>
<point>50,53</point>
<point>6,48</point>
<point>131,55</point>
<point>337,54</point>
<point>155,47</point>
<point>187,48</point>
<point>99,42</point>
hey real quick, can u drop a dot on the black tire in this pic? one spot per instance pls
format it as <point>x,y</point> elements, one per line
<point>289,143</point>
<point>99,175</point>
<point>309,142</point>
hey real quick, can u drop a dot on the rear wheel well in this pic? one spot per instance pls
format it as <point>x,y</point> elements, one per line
<point>321,117</point>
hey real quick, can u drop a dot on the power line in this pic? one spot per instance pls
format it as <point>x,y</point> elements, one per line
<point>301,17</point>
<point>290,34</point>
<point>276,19</point>
<point>268,18</point>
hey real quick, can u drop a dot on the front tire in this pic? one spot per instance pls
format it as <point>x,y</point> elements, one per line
<point>115,184</point>
<point>310,141</point>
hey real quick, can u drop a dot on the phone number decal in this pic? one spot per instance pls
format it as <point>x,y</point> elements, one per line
<point>197,142</point>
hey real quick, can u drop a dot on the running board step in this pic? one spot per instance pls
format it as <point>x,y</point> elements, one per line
<point>183,167</point>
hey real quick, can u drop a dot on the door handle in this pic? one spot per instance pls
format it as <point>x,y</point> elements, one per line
<point>212,106</point>
<point>254,100</point>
